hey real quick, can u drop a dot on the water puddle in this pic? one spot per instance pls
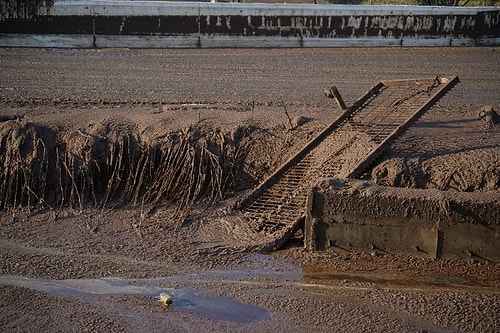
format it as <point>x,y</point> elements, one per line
<point>312,273</point>
<point>186,299</point>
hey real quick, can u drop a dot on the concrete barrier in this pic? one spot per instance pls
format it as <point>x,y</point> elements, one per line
<point>359,216</point>
<point>159,24</point>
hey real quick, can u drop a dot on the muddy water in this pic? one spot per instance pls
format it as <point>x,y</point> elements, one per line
<point>320,274</point>
<point>209,295</point>
<point>198,301</point>
<point>191,300</point>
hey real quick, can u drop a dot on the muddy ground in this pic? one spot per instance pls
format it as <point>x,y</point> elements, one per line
<point>95,268</point>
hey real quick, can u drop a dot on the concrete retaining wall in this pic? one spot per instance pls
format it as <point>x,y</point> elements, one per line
<point>192,25</point>
<point>359,216</point>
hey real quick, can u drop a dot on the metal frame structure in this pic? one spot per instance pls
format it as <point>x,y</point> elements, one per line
<point>371,124</point>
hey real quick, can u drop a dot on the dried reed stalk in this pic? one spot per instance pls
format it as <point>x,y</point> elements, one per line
<point>198,165</point>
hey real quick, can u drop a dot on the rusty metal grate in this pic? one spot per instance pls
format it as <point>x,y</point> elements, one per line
<point>343,150</point>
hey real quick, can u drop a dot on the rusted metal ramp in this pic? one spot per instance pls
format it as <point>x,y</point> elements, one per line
<point>276,208</point>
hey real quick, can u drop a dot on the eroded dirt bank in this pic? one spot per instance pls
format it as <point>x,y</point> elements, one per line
<point>154,95</point>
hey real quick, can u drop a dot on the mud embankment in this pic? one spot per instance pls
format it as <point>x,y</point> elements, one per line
<point>110,162</point>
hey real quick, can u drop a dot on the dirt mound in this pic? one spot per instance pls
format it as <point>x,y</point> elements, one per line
<point>25,150</point>
<point>449,149</point>
<point>468,171</point>
<point>109,161</point>
<point>489,116</point>
<point>112,158</point>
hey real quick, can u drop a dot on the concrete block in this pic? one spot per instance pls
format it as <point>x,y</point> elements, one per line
<point>360,216</point>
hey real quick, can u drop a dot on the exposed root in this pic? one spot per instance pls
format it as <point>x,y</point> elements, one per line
<point>43,169</point>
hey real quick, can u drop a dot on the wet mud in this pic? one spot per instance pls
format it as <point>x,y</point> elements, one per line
<point>76,98</point>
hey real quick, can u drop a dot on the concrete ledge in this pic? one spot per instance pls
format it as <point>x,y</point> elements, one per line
<point>112,41</point>
<point>488,41</point>
<point>351,42</point>
<point>56,41</point>
<point>360,216</point>
<point>117,41</point>
<point>248,42</point>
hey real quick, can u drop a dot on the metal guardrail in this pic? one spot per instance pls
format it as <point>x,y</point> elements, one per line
<point>159,24</point>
